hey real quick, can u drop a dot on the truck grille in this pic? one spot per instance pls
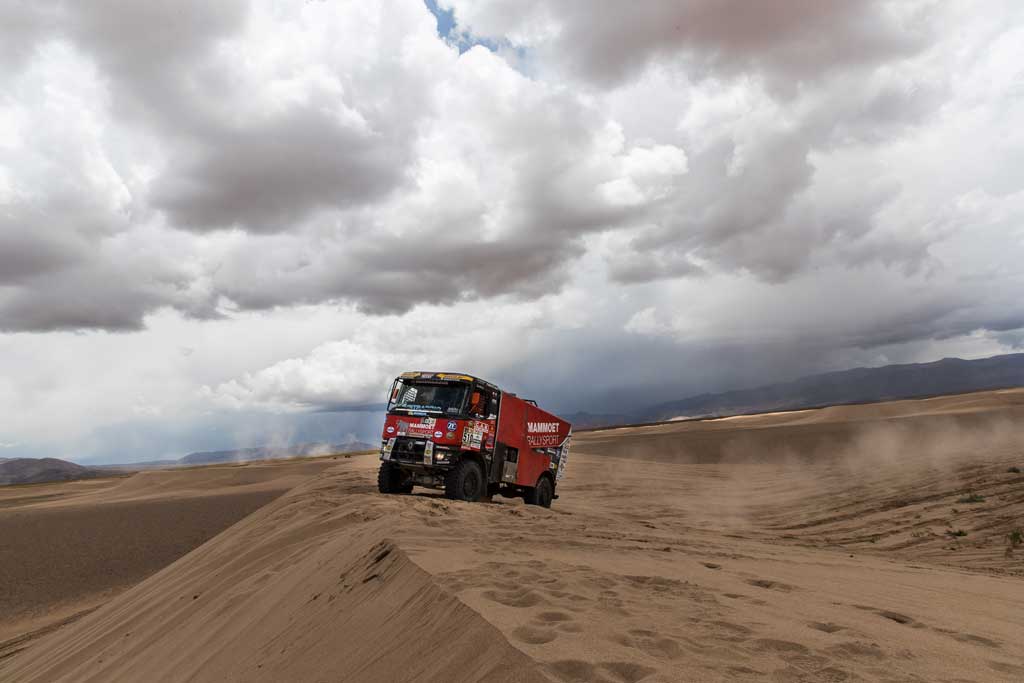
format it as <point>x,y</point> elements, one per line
<point>408,449</point>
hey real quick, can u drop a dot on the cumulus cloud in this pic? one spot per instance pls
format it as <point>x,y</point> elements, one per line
<point>384,170</point>
<point>389,171</point>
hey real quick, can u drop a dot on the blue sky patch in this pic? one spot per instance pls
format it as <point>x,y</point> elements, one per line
<point>448,29</point>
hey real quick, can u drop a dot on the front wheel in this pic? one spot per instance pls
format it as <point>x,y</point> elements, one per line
<point>390,479</point>
<point>542,494</point>
<point>465,482</point>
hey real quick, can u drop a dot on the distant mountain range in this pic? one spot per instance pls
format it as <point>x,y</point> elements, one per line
<point>860,385</point>
<point>41,470</point>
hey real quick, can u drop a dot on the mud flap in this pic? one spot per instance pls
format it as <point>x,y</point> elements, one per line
<point>510,472</point>
<point>563,458</point>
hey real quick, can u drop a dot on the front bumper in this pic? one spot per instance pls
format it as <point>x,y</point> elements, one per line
<point>417,453</point>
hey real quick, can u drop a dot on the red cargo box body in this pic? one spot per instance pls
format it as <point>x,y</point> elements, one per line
<point>535,433</point>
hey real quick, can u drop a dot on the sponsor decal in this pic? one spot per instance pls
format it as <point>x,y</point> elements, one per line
<point>423,427</point>
<point>438,435</point>
<point>542,427</point>
<point>543,441</point>
<point>450,435</point>
<point>452,425</point>
<point>390,430</point>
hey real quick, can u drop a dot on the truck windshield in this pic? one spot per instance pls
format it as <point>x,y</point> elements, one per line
<point>414,396</point>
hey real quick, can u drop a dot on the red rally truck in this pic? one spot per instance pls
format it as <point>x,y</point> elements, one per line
<point>459,433</point>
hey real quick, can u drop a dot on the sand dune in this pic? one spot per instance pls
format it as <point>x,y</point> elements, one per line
<point>69,547</point>
<point>816,546</point>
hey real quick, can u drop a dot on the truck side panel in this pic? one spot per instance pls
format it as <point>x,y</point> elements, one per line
<point>532,432</point>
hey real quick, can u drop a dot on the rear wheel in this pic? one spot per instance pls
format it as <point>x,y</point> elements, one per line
<point>390,479</point>
<point>542,494</point>
<point>465,482</point>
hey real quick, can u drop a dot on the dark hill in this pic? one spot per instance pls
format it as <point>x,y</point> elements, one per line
<point>41,470</point>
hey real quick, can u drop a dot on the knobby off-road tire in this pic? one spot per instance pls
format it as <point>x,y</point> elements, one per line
<point>542,494</point>
<point>389,479</point>
<point>465,482</point>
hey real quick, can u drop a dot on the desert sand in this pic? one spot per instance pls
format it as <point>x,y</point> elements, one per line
<point>67,547</point>
<point>851,543</point>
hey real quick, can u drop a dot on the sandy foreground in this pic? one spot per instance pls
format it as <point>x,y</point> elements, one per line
<point>850,543</point>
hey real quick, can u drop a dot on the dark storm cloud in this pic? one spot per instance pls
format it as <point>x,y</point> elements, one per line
<point>233,156</point>
<point>232,165</point>
<point>22,23</point>
<point>28,248</point>
<point>79,299</point>
<point>620,370</point>
<point>59,271</point>
<point>270,176</point>
<point>786,40</point>
<point>155,53</point>
<point>759,204</point>
<point>389,276</point>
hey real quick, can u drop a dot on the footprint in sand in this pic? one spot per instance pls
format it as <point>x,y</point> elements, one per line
<point>780,646</point>
<point>732,632</point>
<point>897,617</point>
<point>514,598</point>
<point>892,616</point>
<point>617,672</point>
<point>550,617</point>
<point>627,672</point>
<point>559,620</point>
<point>977,640</point>
<point>794,654</point>
<point>771,585</point>
<point>653,644</point>
<point>1006,668</point>
<point>833,675</point>
<point>533,635</point>
<point>827,627</point>
<point>855,650</point>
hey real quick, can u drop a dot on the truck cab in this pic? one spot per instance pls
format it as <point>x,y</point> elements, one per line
<point>464,435</point>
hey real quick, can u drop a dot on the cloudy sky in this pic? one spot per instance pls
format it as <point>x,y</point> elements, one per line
<point>224,223</point>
